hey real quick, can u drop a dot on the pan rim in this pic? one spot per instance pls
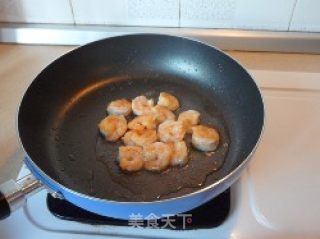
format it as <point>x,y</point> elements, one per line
<point>201,190</point>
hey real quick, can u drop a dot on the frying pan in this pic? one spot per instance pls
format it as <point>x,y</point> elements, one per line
<point>60,110</point>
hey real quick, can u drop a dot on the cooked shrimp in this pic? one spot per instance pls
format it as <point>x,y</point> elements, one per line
<point>169,101</point>
<point>171,131</point>
<point>205,138</point>
<point>113,127</point>
<point>119,107</point>
<point>162,113</point>
<point>180,154</point>
<point>189,118</point>
<point>140,138</point>
<point>157,156</point>
<point>143,122</point>
<point>141,105</point>
<point>130,158</point>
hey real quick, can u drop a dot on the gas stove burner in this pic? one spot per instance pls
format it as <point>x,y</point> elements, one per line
<point>208,215</point>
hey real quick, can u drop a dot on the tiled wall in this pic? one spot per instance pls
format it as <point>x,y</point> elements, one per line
<point>283,15</point>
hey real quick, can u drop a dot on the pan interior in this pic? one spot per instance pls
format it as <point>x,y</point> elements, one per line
<point>108,181</point>
<point>60,111</point>
<point>86,162</point>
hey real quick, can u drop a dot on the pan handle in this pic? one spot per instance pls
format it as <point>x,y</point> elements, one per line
<point>13,194</point>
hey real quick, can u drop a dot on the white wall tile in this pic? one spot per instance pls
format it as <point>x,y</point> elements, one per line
<point>36,11</point>
<point>127,12</point>
<point>100,11</point>
<point>306,16</point>
<point>264,14</point>
<point>153,12</point>
<point>244,14</point>
<point>207,13</point>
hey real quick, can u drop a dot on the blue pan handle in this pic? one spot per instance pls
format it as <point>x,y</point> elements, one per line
<point>13,194</point>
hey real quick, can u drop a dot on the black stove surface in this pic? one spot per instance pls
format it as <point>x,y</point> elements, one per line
<point>208,215</point>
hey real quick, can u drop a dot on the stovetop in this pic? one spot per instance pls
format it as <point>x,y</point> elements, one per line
<point>209,215</point>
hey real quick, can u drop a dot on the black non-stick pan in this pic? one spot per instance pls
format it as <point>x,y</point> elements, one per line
<point>60,111</point>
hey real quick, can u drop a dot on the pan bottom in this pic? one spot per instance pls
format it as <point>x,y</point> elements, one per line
<point>89,162</point>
